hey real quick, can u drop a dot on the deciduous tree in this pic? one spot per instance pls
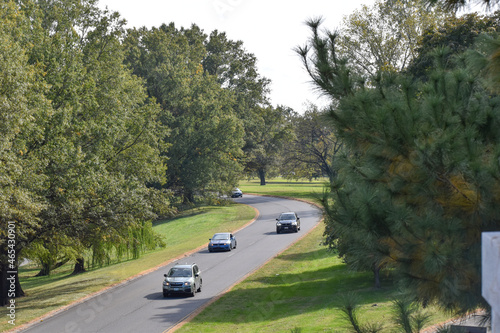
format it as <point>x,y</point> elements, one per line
<point>314,147</point>
<point>21,102</point>
<point>384,36</point>
<point>458,4</point>
<point>272,130</point>
<point>206,138</point>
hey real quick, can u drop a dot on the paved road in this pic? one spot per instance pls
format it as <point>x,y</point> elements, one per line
<point>138,306</point>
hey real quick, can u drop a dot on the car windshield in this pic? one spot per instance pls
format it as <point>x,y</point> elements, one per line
<point>179,272</point>
<point>287,217</point>
<point>220,236</point>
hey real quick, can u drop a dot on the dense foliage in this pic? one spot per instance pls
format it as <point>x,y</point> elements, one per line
<point>103,130</point>
<point>418,182</point>
<point>87,144</point>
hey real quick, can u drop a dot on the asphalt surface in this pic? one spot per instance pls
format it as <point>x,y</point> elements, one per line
<point>139,306</point>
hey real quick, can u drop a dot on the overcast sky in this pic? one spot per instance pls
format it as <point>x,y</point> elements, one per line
<point>269,29</point>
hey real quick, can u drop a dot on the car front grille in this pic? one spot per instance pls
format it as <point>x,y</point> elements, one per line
<point>176,284</point>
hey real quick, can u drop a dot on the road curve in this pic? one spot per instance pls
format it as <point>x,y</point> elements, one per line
<point>139,306</point>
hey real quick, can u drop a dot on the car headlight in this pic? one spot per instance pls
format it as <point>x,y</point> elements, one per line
<point>187,283</point>
<point>165,283</point>
<point>294,223</point>
<point>278,224</point>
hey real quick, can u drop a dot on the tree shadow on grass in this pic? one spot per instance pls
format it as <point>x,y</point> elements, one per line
<point>181,216</point>
<point>72,290</point>
<point>36,281</point>
<point>307,256</point>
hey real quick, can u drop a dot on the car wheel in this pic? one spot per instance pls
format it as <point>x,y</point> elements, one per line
<point>277,231</point>
<point>194,291</point>
<point>165,294</point>
<point>235,243</point>
<point>210,250</point>
<point>199,288</point>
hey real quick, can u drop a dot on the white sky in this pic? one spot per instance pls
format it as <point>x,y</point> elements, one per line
<point>269,29</point>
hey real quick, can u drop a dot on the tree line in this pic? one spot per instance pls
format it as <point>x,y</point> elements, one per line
<point>104,129</point>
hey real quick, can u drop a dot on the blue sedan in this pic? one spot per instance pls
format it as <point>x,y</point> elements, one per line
<point>222,241</point>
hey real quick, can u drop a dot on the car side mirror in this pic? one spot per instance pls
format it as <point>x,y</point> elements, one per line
<point>277,219</point>
<point>197,274</point>
<point>210,239</point>
<point>165,275</point>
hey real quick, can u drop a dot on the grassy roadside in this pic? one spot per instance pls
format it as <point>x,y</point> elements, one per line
<point>301,289</point>
<point>46,294</point>
<point>301,189</point>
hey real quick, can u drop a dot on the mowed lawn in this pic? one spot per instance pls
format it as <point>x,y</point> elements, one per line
<point>300,189</point>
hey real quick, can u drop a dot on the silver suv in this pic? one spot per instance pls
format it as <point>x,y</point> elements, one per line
<point>182,279</point>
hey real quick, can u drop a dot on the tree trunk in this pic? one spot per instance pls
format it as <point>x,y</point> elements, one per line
<point>10,287</point>
<point>376,273</point>
<point>4,285</point>
<point>45,270</point>
<point>262,176</point>
<point>79,266</point>
<point>48,267</point>
<point>19,289</point>
<point>188,197</point>
<point>332,174</point>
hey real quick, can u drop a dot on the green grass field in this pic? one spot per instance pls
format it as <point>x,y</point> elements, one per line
<point>301,189</point>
